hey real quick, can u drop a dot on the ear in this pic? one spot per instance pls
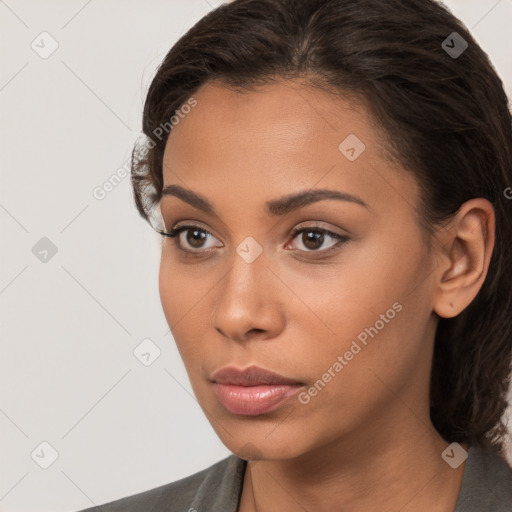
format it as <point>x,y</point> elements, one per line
<point>463,256</point>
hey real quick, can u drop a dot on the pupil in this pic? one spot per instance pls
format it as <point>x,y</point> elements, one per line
<point>311,242</point>
<point>193,240</point>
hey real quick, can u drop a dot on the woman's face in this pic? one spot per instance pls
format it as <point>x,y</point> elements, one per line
<point>349,319</point>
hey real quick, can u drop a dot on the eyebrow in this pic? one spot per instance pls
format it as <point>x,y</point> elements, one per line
<point>275,207</point>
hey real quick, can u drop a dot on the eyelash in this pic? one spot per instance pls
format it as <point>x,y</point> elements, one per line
<point>175,232</point>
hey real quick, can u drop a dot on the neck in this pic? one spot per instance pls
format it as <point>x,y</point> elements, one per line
<point>377,467</point>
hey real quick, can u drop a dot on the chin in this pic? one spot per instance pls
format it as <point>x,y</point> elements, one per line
<point>263,447</point>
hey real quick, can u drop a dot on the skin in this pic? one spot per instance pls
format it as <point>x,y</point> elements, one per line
<point>365,441</point>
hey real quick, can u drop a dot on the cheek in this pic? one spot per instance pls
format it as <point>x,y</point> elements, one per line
<point>180,299</point>
<point>368,319</point>
<point>181,288</point>
<point>184,299</point>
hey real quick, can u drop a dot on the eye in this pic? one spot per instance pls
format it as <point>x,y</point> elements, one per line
<point>190,238</point>
<point>312,239</point>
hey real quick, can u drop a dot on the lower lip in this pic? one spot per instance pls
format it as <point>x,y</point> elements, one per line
<point>254,400</point>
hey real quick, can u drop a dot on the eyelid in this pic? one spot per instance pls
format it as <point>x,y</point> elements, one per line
<point>176,231</point>
<point>338,237</point>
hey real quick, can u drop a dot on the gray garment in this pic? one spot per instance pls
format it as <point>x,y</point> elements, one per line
<point>486,487</point>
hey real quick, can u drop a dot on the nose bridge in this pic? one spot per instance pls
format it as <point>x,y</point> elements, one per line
<point>247,300</point>
<point>244,282</point>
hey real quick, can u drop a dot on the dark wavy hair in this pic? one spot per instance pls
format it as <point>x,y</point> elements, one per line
<point>446,119</point>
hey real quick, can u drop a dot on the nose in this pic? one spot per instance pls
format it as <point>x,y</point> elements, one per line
<point>249,302</point>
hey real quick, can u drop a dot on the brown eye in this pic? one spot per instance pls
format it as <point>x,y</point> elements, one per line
<point>313,239</point>
<point>191,238</point>
<point>195,237</point>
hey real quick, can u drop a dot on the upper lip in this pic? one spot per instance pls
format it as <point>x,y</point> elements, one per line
<point>251,376</point>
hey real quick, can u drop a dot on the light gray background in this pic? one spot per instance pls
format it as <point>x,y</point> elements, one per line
<point>70,324</point>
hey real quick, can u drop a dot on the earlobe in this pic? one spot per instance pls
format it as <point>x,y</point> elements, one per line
<point>466,248</point>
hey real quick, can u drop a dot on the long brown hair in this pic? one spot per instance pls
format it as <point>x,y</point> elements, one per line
<point>444,117</point>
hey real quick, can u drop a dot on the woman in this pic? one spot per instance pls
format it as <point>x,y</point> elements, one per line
<point>332,181</point>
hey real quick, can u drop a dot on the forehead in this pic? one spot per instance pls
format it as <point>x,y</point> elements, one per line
<point>277,113</point>
<point>284,135</point>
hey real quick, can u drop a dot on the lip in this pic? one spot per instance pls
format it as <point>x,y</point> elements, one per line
<point>252,391</point>
<point>251,376</point>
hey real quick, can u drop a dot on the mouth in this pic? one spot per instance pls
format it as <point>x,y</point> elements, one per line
<point>252,391</point>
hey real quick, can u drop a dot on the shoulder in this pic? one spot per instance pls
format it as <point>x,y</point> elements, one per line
<point>219,484</point>
<point>487,482</point>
